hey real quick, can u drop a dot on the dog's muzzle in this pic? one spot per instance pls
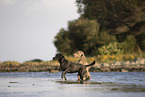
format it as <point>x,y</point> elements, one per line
<point>54,58</point>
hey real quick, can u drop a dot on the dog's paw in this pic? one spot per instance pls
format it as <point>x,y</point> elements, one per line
<point>84,78</point>
<point>65,79</point>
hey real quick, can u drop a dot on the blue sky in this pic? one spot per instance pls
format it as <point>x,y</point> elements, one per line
<point>28,27</point>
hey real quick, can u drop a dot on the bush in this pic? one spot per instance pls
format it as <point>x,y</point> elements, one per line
<point>111,49</point>
<point>130,44</point>
<point>11,63</point>
<point>35,60</point>
<point>117,57</point>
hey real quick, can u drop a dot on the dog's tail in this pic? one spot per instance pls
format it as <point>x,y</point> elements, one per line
<point>90,64</point>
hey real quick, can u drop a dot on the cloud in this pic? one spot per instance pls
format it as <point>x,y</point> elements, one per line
<point>9,2</point>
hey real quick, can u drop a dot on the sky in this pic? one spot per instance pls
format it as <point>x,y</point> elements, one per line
<point>28,27</point>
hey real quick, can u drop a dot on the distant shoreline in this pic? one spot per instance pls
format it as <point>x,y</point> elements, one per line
<point>53,66</point>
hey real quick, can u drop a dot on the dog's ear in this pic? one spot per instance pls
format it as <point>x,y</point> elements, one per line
<point>60,55</point>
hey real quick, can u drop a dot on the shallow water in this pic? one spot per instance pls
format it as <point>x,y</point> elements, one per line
<point>45,84</point>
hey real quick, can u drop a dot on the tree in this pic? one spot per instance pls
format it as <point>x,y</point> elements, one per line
<point>82,34</point>
<point>120,18</point>
<point>103,22</point>
<point>112,14</point>
<point>62,42</point>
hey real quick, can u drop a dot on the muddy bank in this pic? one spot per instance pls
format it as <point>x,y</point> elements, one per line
<point>53,66</point>
<point>128,66</point>
<point>118,68</point>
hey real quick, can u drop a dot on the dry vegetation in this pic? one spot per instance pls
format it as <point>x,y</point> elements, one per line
<point>104,63</point>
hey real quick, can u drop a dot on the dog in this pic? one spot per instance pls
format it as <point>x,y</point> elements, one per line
<point>71,67</point>
<point>81,56</point>
<point>82,60</point>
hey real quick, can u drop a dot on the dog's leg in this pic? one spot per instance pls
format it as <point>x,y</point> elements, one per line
<point>63,74</point>
<point>82,74</point>
<point>78,77</point>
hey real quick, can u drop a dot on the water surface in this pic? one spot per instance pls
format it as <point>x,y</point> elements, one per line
<point>45,84</point>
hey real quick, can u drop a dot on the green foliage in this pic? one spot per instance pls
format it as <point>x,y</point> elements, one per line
<point>36,60</point>
<point>130,44</point>
<point>120,18</point>
<point>112,49</point>
<point>116,57</point>
<point>113,13</point>
<point>82,35</point>
<point>62,41</point>
<point>106,38</point>
<point>101,25</point>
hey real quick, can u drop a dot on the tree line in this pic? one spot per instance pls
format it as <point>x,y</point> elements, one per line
<point>116,26</point>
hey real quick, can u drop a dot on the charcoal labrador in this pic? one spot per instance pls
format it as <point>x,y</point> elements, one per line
<point>71,67</point>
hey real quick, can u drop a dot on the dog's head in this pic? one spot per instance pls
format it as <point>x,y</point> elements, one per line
<point>78,54</point>
<point>58,57</point>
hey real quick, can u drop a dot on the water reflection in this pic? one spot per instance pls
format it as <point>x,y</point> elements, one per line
<point>77,82</point>
<point>109,86</point>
